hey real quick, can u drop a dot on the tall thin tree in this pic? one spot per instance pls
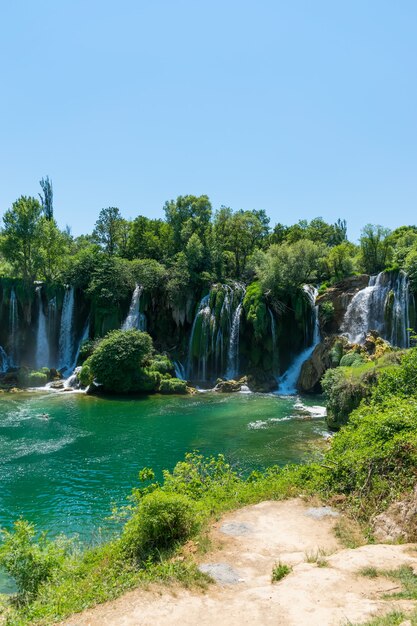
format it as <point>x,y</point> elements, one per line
<point>47,198</point>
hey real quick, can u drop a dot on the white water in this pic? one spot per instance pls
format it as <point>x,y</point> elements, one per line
<point>233,358</point>
<point>13,329</point>
<point>368,310</point>
<point>179,370</point>
<point>288,381</point>
<point>135,319</point>
<point>4,361</point>
<point>66,343</point>
<point>214,340</point>
<point>42,343</point>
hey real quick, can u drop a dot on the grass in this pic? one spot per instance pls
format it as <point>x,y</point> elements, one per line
<point>280,571</point>
<point>317,557</point>
<point>369,572</point>
<point>349,533</point>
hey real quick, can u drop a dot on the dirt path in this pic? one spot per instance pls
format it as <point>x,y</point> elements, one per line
<point>247,545</point>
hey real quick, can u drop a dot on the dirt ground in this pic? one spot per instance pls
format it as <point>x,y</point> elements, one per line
<point>246,544</point>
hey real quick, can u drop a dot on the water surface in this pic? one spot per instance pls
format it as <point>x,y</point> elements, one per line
<point>66,472</point>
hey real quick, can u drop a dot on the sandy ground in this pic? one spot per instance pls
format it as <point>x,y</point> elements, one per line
<point>246,546</point>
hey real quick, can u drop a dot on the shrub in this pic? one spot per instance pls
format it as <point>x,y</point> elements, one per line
<point>173,385</point>
<point>326,312</point>
<point>37,379</point>
<point>28,561</point>
<point>162,364</point>
<point>344,393</point>
<point>351,359</point>
<point>86,375</point>
<point>160,521</point>
<point>119,362</point>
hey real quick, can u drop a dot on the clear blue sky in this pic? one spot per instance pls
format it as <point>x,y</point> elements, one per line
<point>301,108</point>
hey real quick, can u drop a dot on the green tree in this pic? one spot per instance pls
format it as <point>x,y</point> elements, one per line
<point>47,198</point>
<point>108,229</point>
<point>289,266</point>
<point>20,238</point>
<point>150,239</point>
<point>376,249</point>
<point>240,233</point>
<point>340,260</point>
<point>53,249</point>
<point>188,215</point>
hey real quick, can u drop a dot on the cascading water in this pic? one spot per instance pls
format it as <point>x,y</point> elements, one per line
<point>13,329</point>
<point>42,342</point>
<point>382,306</point>
<point>233,358</point>
<point>135,319</point>
<point>288,381</point>
<point>4,361</point>
<point>179,370</point>
<point>66,343</point>
<point>214,340</point>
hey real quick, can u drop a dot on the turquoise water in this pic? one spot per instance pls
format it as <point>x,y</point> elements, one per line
<point>66,472</point>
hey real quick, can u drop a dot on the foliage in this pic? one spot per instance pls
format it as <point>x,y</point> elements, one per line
<point>351,359</point>
<point>29,560</point>
<point>160,521</point>
<point>326,311</point>
<point>280,571</point>
<point>119,361</point>
<point>20,236</point>
<point>344,393</point>
<point>289,266</point>
<point>172,386</point>
<point>47,198</point>
<point>255,309</point>
<point>37,379</point>
<point>375,248</point>
<point>108,229</point>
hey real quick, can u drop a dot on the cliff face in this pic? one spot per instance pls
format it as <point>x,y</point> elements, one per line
<point>340,296</point>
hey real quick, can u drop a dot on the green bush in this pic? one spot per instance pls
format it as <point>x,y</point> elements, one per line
<point>86,375</point>
<point>31,562</point>
<point>160,521</point>
<point>172,385</point>
<point>336,353</point>
<point>344,393</point>
<point>162,364</point>
<point>119,362</point>
<point>351,359</point>
<point>375,452</point>
<point>326,312</point>
<point>37,379</point>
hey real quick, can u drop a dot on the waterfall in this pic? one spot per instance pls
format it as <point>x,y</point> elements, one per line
<point>179,370</point>
<point>288,382</point>
<point>13,329</point>
<point>382,306</point>
<point>42,343</point>
<point>214,341</point>
<point>66,343</point>
<point>135,319</point>
<point>233,358</point>
<point>4,361</point>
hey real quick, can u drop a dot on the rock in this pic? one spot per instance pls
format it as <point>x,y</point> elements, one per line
<point>261,382</point>
<point>398,522</point>
<point>227,386</point>
<point>340,296</point>
<point>222,573</point>
<point>57,384</point>
<point>314,368</point>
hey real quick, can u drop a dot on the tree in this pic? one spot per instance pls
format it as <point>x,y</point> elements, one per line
<point>340,260</point>
<point>108,229</point>
<point>288,266</point>
<point>47,198</point>
<point>240,233</point>
<point>188,215</point>
<point>376,250</point>
<point>53,249</point>
<point>150,239</point>
<point>21,236</point>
